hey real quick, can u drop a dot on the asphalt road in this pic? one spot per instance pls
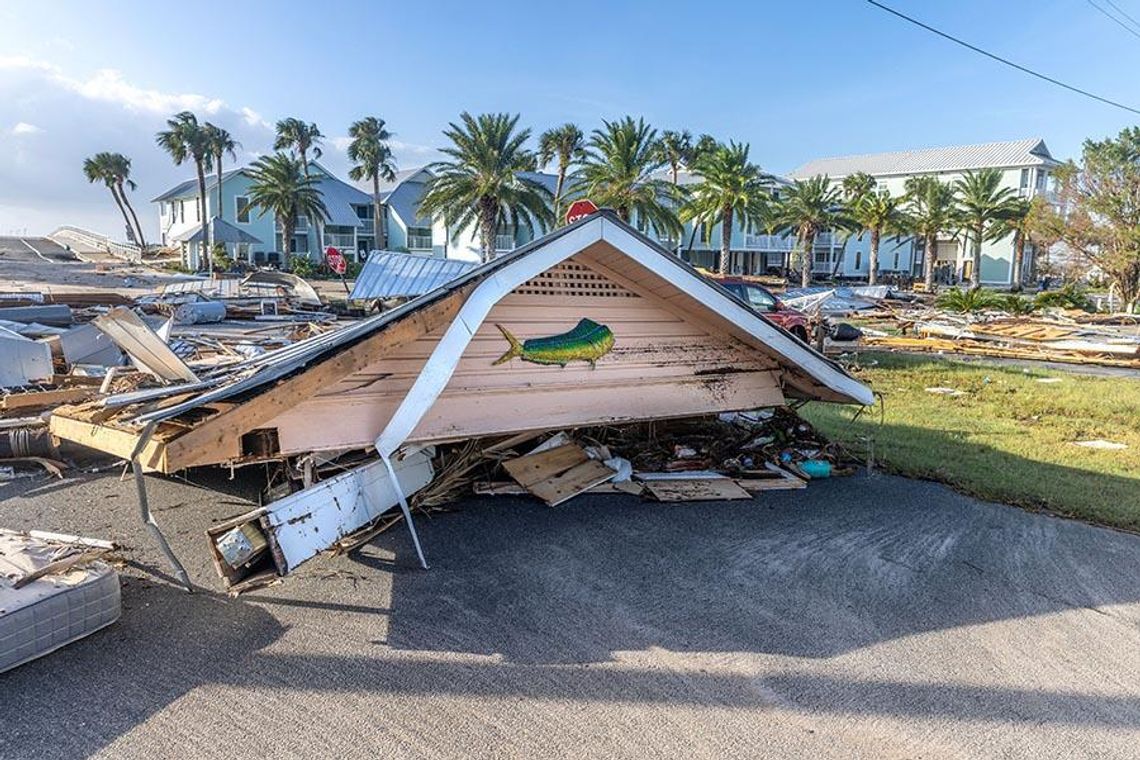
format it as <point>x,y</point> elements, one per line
<point>864,617</point>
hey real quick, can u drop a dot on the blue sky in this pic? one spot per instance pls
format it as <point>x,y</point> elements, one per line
<point>797,80</point>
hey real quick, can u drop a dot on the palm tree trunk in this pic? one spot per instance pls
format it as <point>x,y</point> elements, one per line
<point>1018,262</point>
<point>206,243</point>
<point>119,203</point>
<point>725,239</point>
<point>873,261</point>
<point>931,259</point>
<point>976,274</point>
<point>806,256</point>
<point>558,194</point>
<point>139,238</point>
<point>316,220</point>
<point>287,225</point>
<point>377,239</point>
<point>488,222</point>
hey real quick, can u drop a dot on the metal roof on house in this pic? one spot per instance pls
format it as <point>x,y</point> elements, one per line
<point>338,195</point>
<point>1013,153</point>
<point>189,188</point>
<point>388,274</point>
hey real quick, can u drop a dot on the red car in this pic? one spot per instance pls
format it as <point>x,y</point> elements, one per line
<point>764,301</point>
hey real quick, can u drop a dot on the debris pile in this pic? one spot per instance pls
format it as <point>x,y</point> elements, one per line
<point>61,349</point>
<point>690,459</point>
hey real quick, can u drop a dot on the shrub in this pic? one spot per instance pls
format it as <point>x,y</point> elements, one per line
<point>1071,296</point>
<point>302,266</point>
<point>976,299</point>
<point>1018,305</point>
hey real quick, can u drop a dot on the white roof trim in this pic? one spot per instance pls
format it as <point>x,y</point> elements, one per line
<point>440,366</point>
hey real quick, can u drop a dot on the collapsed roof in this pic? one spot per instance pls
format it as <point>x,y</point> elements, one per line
<point>678,344</point>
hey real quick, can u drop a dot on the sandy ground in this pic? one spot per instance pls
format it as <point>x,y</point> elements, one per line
<point>864,617</point>
<point>40,265</point>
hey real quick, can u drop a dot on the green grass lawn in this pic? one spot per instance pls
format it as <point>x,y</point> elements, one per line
<point>1007,438</point>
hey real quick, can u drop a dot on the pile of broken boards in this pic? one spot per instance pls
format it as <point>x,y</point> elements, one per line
<point>1073,337</point>
<point>66,349</point>
<point>695,459</point>
<point>347,501</point>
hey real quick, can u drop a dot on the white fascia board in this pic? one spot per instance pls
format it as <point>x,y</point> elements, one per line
<point>712,298</point>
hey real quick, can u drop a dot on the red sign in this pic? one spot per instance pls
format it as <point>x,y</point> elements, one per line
<point>580,210</point>
<point>335,260</point>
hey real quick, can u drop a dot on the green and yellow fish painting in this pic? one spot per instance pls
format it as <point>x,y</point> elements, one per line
<point>588,341</point>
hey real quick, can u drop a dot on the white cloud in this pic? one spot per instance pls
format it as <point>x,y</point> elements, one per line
<point>41,181</point>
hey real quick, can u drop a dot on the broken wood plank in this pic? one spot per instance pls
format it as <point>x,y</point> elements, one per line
<point>499,488</point>
<point>705,489</point>
<point>44,399</point>
<point>576,480</point>
<point>535,468</point>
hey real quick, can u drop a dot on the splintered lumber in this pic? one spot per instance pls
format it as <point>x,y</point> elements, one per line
<point>535,468</point>
<point>44,399</point>
<point>558,474</point>
<point>574,481</point>
<point>696,489</point>
<point>773,478</point>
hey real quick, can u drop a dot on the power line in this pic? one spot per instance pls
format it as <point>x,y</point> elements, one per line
<point>1123,12</point>
<point>999,59</point>
<point>1114,19</point>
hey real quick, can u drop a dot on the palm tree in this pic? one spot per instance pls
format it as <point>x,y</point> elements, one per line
<point>808,208</point>
<point>372,160</point>
<point>1019,222</point>
<point>114,171</point>
<point>220,142</point>
<point>704,144</point>
<point>185,139</point>
<point>874,211</point>
<point>568,145</point>
<point>931,211</point>
<point>676,150</point>
<point>617,172</point>
<point>302,139</point>
<point>481,185</point>
<point>730,188</point>
<point>278,185</point>
<point>982,204</point>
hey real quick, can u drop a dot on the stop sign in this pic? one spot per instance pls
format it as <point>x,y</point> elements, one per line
<point>335,260</point>
<point>580,210</point>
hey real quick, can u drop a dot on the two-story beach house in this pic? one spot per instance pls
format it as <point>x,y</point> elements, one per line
<point>349,227</point>
<point>1025,166</point>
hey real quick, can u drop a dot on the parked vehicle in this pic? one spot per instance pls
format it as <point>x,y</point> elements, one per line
<point>764,301</point>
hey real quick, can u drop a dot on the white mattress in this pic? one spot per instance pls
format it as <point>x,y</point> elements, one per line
<point>52,611</point>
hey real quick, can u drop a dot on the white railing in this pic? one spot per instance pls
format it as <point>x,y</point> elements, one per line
<point>95,241</point>
<point>340,241</point>
<point>769,242</point>
<point>503,242</point>
<point>423,242</point>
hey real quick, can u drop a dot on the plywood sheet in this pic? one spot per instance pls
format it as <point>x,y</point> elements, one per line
<point>535,468</point>
<point>581,477</point>
<point>712,489</point>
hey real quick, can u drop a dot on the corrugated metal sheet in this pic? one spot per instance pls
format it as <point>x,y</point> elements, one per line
<point>388,274</point>
<point>1028,152</point>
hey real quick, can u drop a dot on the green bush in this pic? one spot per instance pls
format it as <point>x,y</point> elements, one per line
<point>1017,305</point>
<point>302,266</point>
<point>1071,296</point>
<point>975,299</point>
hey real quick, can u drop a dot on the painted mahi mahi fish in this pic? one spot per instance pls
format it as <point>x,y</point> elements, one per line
<point>588,341</point>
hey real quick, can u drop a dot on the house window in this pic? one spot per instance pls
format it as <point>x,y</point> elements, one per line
<point>896,266</point>
<point>1024,180</point>
<point>1042,178</point>
<point>242,209</point>
<point>363,212</point>
<point>419,238</point>
<point>858,259</point>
